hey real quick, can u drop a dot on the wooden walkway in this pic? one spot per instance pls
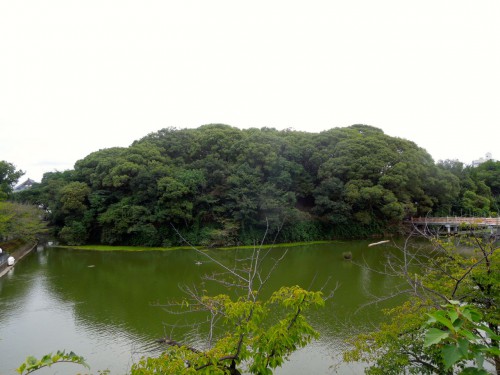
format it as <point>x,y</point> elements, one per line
<point>454,223</point>
<point>454,220</point>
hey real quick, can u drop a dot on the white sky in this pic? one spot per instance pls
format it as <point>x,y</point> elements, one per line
<point>78,76</point>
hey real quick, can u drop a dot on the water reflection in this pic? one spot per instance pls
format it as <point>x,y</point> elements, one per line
<point>101,304</point>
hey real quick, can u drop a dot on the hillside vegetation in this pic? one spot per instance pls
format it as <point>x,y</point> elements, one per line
<point>219,185</point>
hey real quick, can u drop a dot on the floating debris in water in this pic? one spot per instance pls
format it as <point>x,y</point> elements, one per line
<point>347,255</point>
<point>378,243</point>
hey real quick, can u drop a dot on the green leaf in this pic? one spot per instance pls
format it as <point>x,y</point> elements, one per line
<point>451,355</point>
<point>21,368</point>
<point>32,364</point>
<point>463,346</point>
<point>46,359</point>
<point>473,371</point>
<point>453,315</point>
<point>468,335</point>
<point>440,316</point>
<point>492,335</point>
<point>467,314</point>
<point>434,336</point>
<point>475,315</point>
<point>31,360</point>
<point>492,350</point>
<point>479,358</point>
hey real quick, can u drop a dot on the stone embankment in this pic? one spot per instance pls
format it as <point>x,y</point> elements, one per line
<point>18,254</point>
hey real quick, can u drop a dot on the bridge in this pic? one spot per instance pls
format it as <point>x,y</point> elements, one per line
<point>453,223</point>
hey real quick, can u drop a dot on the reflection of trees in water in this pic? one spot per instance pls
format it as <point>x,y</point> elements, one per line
<point>16,285</point>
<point>119,288</point>
<point>115,291</point>
<point>112,293</point>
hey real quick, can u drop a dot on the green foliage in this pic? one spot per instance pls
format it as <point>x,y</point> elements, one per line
<point>478,186</point>
<point>464,330</point>
<point>74,233</point>
<point>258,335</point>
<point>353,181</point>
<point>246,332</point>
<point>20,221</point>
<point>73,197</point>
<point>462,337</point>
<point>33,364</point>
<point>489,173</point>
<point>397,346</point>
<point>8,177</point>
<point>302,229</point>
<point>474,204</point>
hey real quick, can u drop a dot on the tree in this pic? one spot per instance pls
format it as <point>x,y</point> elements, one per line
<point>433,280</point>
<point>475,204</point>
<point>462,338</point>
<point>255,336</point>
<point>478,192</point>
<point>218,182</point>
<point>20,221</point>
<point>8,177</point>
<point>489,172</point>
<point>248,330</point>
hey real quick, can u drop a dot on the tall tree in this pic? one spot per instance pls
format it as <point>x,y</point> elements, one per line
<point>9,175</point>
<point>20,221</point>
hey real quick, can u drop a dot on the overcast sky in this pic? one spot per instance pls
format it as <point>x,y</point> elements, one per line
<point>79,76</point>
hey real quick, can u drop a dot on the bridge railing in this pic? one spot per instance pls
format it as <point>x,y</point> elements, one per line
<point>493,221</point>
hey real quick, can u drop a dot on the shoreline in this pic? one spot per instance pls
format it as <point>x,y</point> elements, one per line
<point>201,248</point>
<point>18,254</point>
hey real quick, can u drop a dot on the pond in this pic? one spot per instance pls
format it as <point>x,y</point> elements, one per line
<point>104,305</point>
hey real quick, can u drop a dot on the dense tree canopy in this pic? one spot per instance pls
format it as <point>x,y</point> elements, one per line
<point>219,185</point>
<point>8,177</point>
<point>17,221</point>
<point>20,221</point>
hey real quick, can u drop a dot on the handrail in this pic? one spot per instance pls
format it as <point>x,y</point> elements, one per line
<point>493,221</point>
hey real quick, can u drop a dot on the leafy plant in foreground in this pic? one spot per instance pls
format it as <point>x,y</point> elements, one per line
<point>260,335</point>
<point>32,364</point>
<point>249,331</point>
<point>467,332</point>
<point>462,337</point>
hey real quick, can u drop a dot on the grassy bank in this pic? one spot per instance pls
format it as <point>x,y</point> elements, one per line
<point>12,245</point>
<point>143,248</point>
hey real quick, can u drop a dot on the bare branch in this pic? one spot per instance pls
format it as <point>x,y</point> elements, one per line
<point>212,259</point>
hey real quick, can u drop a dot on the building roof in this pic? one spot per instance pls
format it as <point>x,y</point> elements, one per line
<point>25,185</point>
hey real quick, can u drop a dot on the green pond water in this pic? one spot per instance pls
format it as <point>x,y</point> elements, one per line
<point>103,305</point>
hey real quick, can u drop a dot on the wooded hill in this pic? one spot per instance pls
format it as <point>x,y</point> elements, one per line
<point>219,185</point>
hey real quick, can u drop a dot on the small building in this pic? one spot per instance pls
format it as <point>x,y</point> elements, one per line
<point>25,185</point>
<point>480,161</point>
